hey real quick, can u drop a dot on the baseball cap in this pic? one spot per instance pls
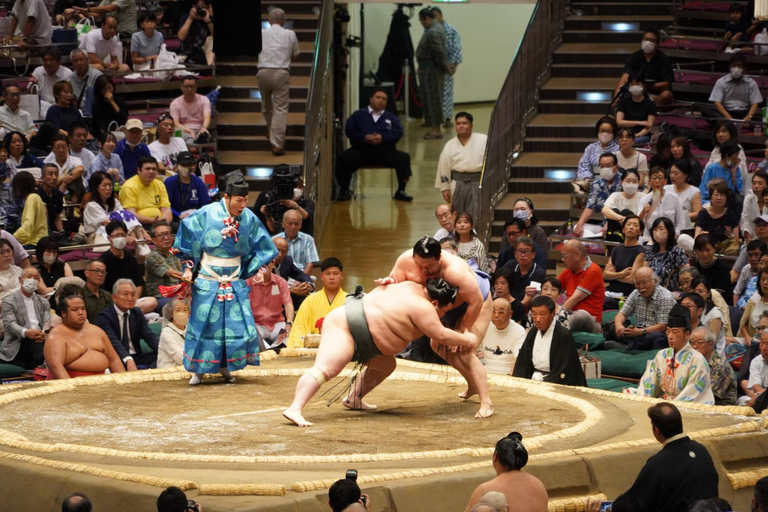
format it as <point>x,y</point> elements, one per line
<point>134,124</point>
<point>185,157</point>
<point>762,218</point>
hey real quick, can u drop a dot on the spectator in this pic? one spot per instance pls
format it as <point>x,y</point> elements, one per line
<point>654,65</point>
<point>726,131</point>
<point>713,318</point>
<point>344,493</point>
<point>624,263</point>
<point>78,138</point>
<point>26,318</point>
<point>49,265</point>
<point>695,304</point>
<point>18,157</point>
<point>688,195</point>
<point>34,222</point>
<point>170,348</point>
<point>552,288</point>
<point>678,372</point>
<point>758,376</point>
<point>470,247</point>
<point>760,499</point>
<point>737,30</point>
<point>50,73</point>
<point>751,286</point>
<point>582,280</point>
<point>173,499</point>
<point>755,307</point>
<point>191,112</point>
<point>108,109</point>
<point>433,62</point>
<point>710,266</point>
<point>123,12</point>
<point>131,149</point>
<point>186,191</point>
<point>754,204</point>
<point>300,283</point>
<point>83,79</point>
<point>163,268</point>
<point>523,210</point>
<point>549,351</point>
<point>146,197</point>
<point>502,341</point>
<point>107,161</point>
<point>665,257</point>
<point>602,187</point>
<point>63,114</point>
<point>166,147</point>
<point>746,285</point>
<point>373,133</point>
<point>721,374</point>
<point>459,166</point>
<point>126,326</point>
<point>660,203</point>
<point>270,210</point>
<point>681,473</point>
<point>96,298</point>
<point>636,110</point>
<point>71,171</point>
<point>103,47</point>
<point>680,149</point>
<point>526,272</point>
<point>761,233</point>
<point>663,155</point>
<point>146,43</point>
<point>514,229</point>
<point>100,209</point>
<point>687,275</point>
<point>503,281</point>
<point>735,95</point>
<point>52,197</point>
<point>524,490</point>
<point>195,29</point>
<point>446,216</point>
<point>589,163</point>
<point>76,502</point>
<point>750,352</point>
<point>650,303</point>
<point>122,265</point>
<point>12,117</point>
<point>320,303</point>
<point>267,302</point>
<point>620,204</point>
<point>301,246</point>
<point>628,157</point>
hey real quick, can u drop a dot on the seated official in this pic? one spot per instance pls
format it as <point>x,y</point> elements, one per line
<point>300,284</point>
<point>162,267</point>
<point>170,349</point>
<point>373,133</point>
<point>514,229</point>
<point>721,374</point>
<point>301,246</point>
<point>650,303</point>
<point>97,299</point>
<point>26,318</point>
<point>267,302</point>
<point>582,280</point>
<point>502,341</point>
<point>126,326</point>
<point>678,372</point>
<point>319,304</point>
<point>186,191</point>
<point>549,351</point>
<point>624,263</point>
<point>76,348</point>
<point>144,196</point>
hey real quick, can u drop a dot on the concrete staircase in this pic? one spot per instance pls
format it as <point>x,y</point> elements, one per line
<point>585,70</point>
<point>241,130</point>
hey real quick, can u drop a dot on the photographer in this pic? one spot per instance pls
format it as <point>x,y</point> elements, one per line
<point>194,31</point>
<point>346,492</point>
<point>173,499</point>
<point>272,204</point>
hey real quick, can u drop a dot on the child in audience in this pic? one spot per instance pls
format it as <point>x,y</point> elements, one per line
<point>737,29</point>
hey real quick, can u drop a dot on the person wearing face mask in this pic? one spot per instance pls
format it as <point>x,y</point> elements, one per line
<point>304,206</point>
<point>166,147</point>
<point>654,65</point>
<point>608,183</point>
<point>735,95</point>
<point>636,110</point>
<point>606,129</point>
<point>186,191</point>
<point>131,149</point>
<point>50,267</point>
<point>170,350</point>
<point>26,318</point>
<point>620,204</point>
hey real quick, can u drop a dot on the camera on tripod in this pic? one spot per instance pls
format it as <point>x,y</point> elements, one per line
<point>282,183</point>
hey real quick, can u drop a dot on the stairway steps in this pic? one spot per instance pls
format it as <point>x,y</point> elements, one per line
<point>539,186</point>
<point>593,53</point>
<point>597,36</point>
<point>237,124</point>
<point>587,70</point>
<point>254,105</point>
<point>297,92</point>
<point>556,144</point>
<point>572,125</point>
<point>574,106</point>
<point>257,143</point>
<point>497,228</point>
<point>589,22</point>
<point>618,8</point>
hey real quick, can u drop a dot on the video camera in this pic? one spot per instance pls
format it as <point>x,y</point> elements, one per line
<point>281,184</point>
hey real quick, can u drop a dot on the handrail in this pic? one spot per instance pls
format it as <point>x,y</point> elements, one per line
<point>517,103</point>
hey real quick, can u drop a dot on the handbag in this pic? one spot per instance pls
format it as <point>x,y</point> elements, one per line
<point>116,130</point>
<point>591,365</point>
<point>729,247</point>
<point>66,38</point>
<point>9,50</point>
<point>83,27</point>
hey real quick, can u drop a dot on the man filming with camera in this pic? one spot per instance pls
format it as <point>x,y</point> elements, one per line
<point>286,192</point>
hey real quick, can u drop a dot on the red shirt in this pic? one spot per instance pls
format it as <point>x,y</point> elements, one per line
<point>589,281</point>
<point>267,301</point>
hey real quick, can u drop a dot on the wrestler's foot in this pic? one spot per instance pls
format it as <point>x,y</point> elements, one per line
<point>359,405</point>
<point>469,393</point>
<point>296,418</point>
<point>486,411</point>
<point>196,378</point>
<point>228,378</point>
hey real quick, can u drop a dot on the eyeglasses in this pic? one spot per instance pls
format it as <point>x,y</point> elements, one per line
<point>523,252</point>
<point>191,86</point>
<point>564,255</point>
<point>761,327</point>
<point>163,235</point>
<point>513,233</point>
<point>100,272</point>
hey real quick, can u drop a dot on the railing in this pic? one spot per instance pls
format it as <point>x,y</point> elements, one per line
<point>516,104</point>
<point>318,133</point>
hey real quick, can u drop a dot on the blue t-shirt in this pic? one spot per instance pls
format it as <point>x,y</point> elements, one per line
<point>130,157</point>
<point>146,46</point>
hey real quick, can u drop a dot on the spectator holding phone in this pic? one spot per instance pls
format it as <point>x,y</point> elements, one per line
<point>173,499</point>
<point>345,492</point>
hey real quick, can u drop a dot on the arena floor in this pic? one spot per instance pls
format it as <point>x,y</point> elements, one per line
<point>121,439</point>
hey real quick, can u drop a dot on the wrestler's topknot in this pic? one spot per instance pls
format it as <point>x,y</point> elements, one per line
<point>427,247</point>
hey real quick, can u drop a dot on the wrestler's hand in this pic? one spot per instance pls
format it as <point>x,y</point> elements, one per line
<point>385,281</point>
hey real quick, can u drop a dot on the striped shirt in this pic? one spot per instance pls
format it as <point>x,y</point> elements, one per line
<point>302,249</point>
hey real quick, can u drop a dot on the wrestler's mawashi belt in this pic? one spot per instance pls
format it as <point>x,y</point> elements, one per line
<point>467,177</point>
<point>365,348</point>
<point>225,287</point>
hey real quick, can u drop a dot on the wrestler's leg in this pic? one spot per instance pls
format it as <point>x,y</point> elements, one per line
<point>336,350</point>
<point>378,369</point>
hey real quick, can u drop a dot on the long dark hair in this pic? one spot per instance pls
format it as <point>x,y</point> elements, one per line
<point>94,181</point>
<point>99,84</point>
<point>9,137</point>
<point>23,184</point>
<point>696,281</point>
<point>467,216</point>
<point>730,127</point>
<point>671,239</point>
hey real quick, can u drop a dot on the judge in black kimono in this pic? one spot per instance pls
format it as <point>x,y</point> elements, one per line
<point>549,351</point>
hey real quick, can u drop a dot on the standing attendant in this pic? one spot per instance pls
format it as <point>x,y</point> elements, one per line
<point>433,65</point>
<point>278,47</point>
<point>453,52</point>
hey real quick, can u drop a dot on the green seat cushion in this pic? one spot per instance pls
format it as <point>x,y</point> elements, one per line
<point>610,315</point>
<point>624,363</point>
<point>8,371</point>
<point>609,384</point>
<point>156,327</point>
<point>594,341</point>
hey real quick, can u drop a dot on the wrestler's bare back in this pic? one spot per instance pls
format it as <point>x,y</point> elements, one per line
<point>86,350</point>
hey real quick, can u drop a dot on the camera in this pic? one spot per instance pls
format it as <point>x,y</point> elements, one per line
<point>281,184</point>
<point>192,506</point>
<point>202,13</point>
<point>351,475</point>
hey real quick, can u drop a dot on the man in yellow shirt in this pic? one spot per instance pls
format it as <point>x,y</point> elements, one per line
<point>145,196</point>
<point>317,305</point>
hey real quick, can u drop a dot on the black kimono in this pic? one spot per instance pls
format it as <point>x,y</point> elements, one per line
<point>564,364</point>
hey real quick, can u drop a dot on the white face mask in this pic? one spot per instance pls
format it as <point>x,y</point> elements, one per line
<point>131,144</point>
<point>606,173</point>
<point>660,237</point>
<point>49,259</point>
<point>29,285</point>
<point>737,73</point>
<point>636,90</point>
<point>180,317</point>
<point>297,193</point>
<point>184,170</point>
<point>648,47</point>
<point>521,214</point>
<point>119,243</point>
<point>605,138</point>
<point>630,188</point>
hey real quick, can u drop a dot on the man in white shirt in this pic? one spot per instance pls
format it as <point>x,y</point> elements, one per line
<point>103,44</point>
<point>758,376</point>
<point>84,76</point>
<point>32,19</point>
<point>78,138</point>
<point>458,170</point>
<point>49,73</point>
<point>502,341</point>
<point>12,117</point>
<point>278,47</point>
<point>166,148</point>
<point>446,216</point>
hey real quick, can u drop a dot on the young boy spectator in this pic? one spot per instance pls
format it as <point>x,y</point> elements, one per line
<point>737,29</point>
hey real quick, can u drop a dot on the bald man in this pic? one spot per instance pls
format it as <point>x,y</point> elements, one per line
<point>503,340</point>
<point>582,281</point>
<point>301,246</point>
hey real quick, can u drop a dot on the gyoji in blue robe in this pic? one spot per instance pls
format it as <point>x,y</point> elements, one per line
<point>219,329</point>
